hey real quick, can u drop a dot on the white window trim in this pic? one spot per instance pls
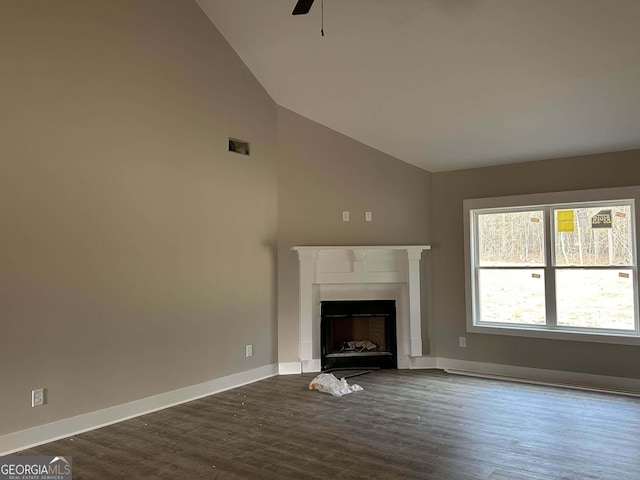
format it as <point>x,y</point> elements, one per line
<point>606,194</point>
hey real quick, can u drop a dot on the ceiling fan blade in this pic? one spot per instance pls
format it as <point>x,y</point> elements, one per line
<point>302,7</point>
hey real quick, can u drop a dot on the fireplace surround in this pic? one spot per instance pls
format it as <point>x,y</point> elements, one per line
<point>355,273</point>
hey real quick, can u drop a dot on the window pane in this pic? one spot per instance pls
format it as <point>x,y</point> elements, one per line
<point>593,236</point>
<point>512,296</point>
<point>595,298</point>
<point>511,238</point>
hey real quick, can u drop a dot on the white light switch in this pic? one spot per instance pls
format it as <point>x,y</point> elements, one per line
<point>345,216</point>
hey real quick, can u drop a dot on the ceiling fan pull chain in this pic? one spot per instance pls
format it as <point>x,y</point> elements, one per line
<point>322,17</point>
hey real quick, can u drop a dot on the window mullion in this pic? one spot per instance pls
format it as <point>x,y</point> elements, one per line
<point>549,270</point>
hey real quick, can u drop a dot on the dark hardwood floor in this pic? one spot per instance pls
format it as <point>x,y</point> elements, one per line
<point>404,425</point>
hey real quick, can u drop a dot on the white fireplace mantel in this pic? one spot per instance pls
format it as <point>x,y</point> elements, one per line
<point>356,272</point>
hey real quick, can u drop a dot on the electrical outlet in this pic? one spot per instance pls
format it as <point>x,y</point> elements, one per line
<point>248,351</point>
<point>37,397</point>
<point>462,342</point>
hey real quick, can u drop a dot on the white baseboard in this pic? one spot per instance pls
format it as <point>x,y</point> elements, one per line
<point>14,442</point>
<point>311,366</point>
<point>290,368</point>
<point>423,362</point>
<point>582,381</point>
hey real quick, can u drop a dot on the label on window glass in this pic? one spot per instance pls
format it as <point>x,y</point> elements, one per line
<point>565,221</point>
<point>602,219</point>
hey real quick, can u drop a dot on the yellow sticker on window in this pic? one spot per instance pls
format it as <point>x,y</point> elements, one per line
<point>565,221</point>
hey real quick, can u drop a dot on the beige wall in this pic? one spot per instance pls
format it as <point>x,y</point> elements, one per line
<point>449,190</point>
<point>320,174</point>
<point>137,255</point>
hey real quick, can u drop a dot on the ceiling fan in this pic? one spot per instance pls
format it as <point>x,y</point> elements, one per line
<point>302,7</point>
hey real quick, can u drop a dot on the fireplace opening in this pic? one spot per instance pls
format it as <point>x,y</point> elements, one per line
<point>358,334</point>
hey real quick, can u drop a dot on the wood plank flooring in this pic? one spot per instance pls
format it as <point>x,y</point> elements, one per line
<point>404,425</point>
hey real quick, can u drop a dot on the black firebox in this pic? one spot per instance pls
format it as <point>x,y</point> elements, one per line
<point>358,334</point>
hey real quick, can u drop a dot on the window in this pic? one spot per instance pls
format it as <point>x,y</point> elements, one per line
<point>559,265</point>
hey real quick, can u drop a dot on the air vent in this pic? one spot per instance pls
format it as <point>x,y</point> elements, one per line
<point>238,146</point>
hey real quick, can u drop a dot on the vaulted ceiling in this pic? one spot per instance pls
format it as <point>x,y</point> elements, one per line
<point>451,84</point>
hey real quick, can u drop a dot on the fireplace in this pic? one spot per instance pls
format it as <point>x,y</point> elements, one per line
<point>358,334</point>
<point>352,274</point>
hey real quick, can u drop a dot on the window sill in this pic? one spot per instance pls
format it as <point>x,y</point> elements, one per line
<point>631,338</point>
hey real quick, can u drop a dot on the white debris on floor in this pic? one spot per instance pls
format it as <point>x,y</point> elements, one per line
<point>328,383</point>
